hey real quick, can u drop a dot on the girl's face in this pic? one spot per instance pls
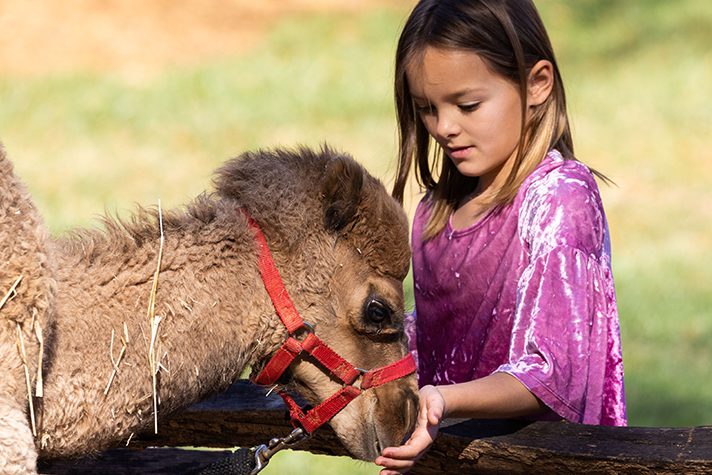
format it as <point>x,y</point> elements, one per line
<point>473,113</point>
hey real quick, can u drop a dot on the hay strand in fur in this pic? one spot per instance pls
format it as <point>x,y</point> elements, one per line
<point>115,363</point>
<point>154,321</point>
<point>23,357</point>
<point>39,386</point>
<point>10,293</point>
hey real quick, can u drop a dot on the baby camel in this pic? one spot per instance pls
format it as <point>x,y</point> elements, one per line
<point>77,330</point>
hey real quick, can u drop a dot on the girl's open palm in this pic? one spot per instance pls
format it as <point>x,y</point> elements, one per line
<point>401,459</point>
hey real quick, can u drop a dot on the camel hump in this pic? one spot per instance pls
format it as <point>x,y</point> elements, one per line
<point>23,254</point>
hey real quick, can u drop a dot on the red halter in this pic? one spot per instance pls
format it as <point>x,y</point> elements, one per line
<point>312,344</point>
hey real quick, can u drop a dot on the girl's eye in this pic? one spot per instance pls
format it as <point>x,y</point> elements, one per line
<point>470,107</point>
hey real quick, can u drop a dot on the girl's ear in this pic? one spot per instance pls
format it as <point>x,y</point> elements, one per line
<point>540,82</point>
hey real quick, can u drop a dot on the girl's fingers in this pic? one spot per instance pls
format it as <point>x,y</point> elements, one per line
<point>418,443</point>
<point>403,452</point>
<point>412,449</point>
<point>394,464</point>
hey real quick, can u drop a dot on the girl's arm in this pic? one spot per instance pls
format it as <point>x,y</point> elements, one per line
<point>498,395</point>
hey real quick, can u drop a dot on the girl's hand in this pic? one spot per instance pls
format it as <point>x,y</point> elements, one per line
<point>401,459</point>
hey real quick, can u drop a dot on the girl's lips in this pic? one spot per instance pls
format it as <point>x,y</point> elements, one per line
<point>459,152</point>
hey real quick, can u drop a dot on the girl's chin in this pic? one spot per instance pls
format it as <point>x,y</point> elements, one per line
<point>467,169</point>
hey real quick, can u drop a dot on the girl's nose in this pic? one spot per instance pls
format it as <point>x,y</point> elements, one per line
<point>447,126</point>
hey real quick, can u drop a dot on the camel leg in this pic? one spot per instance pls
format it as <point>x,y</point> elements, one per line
<point>18,454</point>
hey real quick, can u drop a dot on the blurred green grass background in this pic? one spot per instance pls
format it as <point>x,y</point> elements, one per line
<point>639,80</point>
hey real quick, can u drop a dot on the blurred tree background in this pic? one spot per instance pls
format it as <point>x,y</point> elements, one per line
<point>104,104</point>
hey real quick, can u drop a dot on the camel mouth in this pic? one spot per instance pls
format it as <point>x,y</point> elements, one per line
<point>376,443</point>
<point>377,446</point>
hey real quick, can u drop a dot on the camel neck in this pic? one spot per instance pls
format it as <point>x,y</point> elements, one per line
<point>215,320</point>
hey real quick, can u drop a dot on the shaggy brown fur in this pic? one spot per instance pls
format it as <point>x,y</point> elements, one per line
<point>23,254</point>
<point>337,237</point>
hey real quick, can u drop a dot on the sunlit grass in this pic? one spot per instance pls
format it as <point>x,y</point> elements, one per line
<point>101,141</point>
<point>638,78</point>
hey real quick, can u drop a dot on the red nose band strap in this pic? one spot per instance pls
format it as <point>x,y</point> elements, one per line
<point>321,414</point>
<point>401,368</point>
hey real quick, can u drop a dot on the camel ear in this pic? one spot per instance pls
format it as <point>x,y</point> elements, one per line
<point>341,190</point>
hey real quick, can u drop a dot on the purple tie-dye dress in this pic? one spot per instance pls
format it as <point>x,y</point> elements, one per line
<point>526,290</point>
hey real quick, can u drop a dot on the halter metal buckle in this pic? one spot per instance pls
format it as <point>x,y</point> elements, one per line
<point>264,452</point>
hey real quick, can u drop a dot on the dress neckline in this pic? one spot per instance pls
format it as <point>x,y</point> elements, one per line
<point>552,156</point>
<point>479,222</point>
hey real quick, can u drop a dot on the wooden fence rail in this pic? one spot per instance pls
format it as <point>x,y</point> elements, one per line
<point>243,416</point>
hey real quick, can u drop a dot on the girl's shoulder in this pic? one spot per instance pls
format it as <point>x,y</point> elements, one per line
<point>561,180</point>
<point>554,169</point>
<point>560,203</point>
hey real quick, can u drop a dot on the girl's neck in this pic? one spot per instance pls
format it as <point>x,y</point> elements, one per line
<point>477,203</point>
<point>468,213</point>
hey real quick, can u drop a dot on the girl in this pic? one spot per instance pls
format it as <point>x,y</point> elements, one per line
<point>515,305</point>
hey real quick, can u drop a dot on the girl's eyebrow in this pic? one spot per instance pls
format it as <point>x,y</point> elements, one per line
<point>463,92</point>
<point>454,95</point>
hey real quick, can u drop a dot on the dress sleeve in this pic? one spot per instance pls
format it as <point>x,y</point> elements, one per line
<point>566,323</point>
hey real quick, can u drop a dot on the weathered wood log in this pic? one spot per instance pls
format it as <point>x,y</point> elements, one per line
<point>243,416</point>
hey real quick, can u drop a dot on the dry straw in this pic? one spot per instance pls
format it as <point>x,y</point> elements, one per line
<point>39,387</point>
<point>154,320</point>
<point>10,293</point>
<point>23,357</point>
<point>117,362</point>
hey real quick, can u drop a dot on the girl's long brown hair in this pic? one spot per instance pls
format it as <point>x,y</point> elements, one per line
<point>510,37</point>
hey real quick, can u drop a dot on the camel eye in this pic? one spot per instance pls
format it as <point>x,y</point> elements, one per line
<point>377,312</point>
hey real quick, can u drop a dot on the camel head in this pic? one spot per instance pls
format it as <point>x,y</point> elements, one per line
<point>340,243</point>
